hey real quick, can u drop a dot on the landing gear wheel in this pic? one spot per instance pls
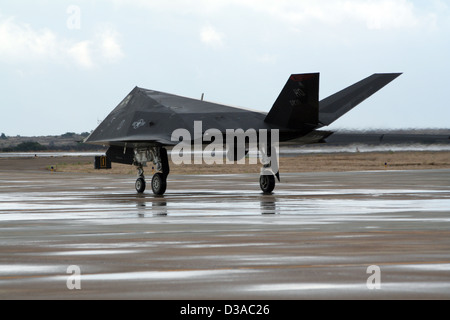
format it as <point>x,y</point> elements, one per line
<point>159,183</point>
<point>267,183</point>
<point>140,185</point>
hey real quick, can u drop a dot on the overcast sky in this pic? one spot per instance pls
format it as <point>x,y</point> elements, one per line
<point>66,64</point>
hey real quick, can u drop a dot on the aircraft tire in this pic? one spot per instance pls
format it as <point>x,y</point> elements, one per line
<point>159,184</point>
<point>267,183</point>
<point>140,185</point>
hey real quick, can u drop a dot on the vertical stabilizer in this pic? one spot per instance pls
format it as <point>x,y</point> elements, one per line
<point>297,105</point>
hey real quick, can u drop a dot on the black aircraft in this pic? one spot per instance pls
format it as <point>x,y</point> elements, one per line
<point>140,129</point>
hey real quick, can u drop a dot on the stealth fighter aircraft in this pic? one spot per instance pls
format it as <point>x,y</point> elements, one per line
<point>141,128</point>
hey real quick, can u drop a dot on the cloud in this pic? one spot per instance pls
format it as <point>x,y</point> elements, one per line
<point>211,37</point>
<point>373,14</point>
<point>81,53</point>
<point>266,58</point>
<point>385,14</point>
<point>109,46</point>
<point>19,42</point>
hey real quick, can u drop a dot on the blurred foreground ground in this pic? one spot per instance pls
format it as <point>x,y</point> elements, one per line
<point>320,235</point>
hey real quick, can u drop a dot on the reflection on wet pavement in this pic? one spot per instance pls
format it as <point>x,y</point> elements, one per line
<point>220,237</point>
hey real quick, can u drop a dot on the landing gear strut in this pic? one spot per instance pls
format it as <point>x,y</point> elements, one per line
<point>158,156</point>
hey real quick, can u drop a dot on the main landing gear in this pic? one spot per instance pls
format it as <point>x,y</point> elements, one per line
<point>158,156</point>
<point>159,183</point>
<point>267,183</point>
<point>161,161</point>
<point>269,171</point>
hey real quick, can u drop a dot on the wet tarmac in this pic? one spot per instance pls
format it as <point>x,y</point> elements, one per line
<point>84,236</point>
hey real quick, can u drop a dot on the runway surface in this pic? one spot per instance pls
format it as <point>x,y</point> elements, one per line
<point>84,236</point>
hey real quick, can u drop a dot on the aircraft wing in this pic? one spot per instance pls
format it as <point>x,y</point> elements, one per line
<point>147,117</point>
<point>135,141</point>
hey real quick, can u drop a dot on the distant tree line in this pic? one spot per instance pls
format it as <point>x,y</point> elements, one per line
<point>31,146</point>
<point>72,134</point>
<point>34,146</point>
<point>26,147</point>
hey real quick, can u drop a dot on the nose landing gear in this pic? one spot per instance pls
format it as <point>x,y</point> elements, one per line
<point>161,161</point>
<point>140,185</point>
